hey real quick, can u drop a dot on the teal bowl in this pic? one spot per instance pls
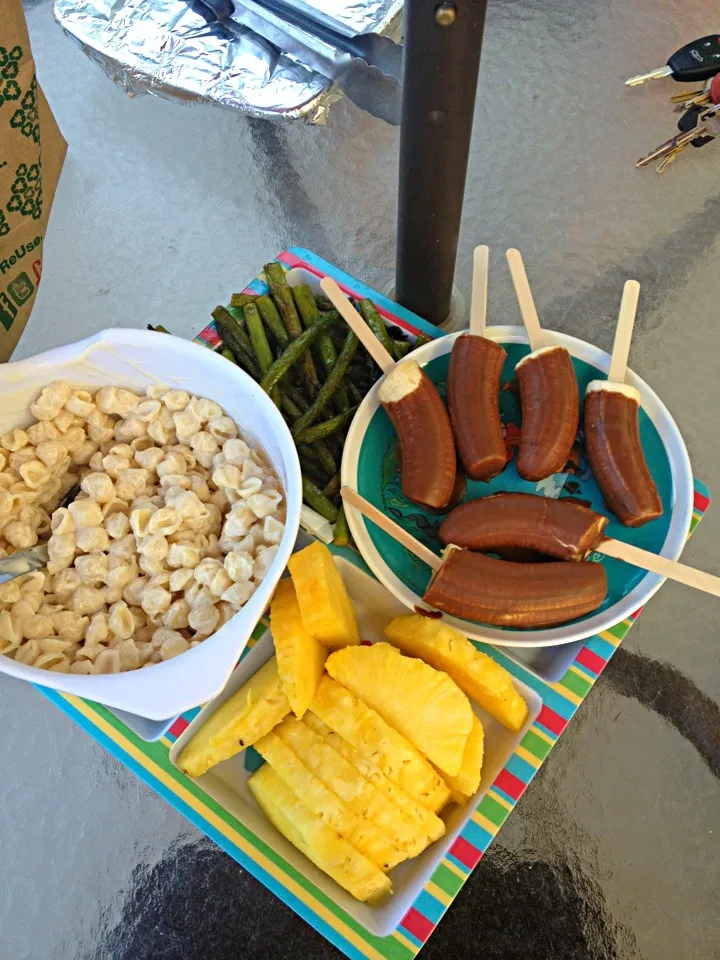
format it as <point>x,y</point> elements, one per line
<point>370,466</point>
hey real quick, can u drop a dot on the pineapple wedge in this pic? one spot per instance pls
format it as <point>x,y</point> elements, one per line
<point>306,831</point>
<point>325,607</point>
<point>425,705</point>
<point>371,735</point>
<point>465,784</point>
<point>312,792</point>
<point>476,674</point>
<point>351,787</point>
<point>249,714</point>
<point>300,657</point>
<point>413,815</point>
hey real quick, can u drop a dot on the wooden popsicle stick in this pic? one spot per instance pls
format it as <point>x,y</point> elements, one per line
<point>671,569</point>
<point>526,303</point>
<point>356,323</point>
<point>389,526</point>
<point>478,301</point>
<point>624,332</point>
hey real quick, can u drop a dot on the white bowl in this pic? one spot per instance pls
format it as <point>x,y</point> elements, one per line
<point>677,532</point>
<point>136,359</point>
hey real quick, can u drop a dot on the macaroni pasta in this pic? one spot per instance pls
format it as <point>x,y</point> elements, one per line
<point>177,523</point>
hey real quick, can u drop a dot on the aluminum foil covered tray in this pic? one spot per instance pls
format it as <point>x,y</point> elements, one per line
<point>163,47</point>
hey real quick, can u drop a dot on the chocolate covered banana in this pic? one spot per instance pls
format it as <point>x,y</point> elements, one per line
<point>550,409</point>
<point>525,595</point>
<point>614,450</point>
<point>473,400</point>
<point>425,438</point>
<point>557,528</point>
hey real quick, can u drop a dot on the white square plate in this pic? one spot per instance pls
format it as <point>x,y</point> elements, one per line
<point>227,782</point>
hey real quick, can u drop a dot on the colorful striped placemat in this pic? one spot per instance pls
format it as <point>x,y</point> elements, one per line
<point>150,761</point>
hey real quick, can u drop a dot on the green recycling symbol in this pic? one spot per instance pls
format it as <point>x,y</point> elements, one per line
<point>9,68</point>
<point>26,192</point>
<point>25,119</point>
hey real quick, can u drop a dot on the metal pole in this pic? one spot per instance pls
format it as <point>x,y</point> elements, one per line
<point>442,60</point>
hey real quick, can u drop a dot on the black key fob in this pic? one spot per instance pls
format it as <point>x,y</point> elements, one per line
<point>689,120</point>
<point>697,61</point>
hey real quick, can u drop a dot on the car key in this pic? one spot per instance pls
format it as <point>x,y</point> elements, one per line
<point>710,93</point>
<point>689,121</point>
<point>700,98</point>
<point>686,95</point>
<point>693,63</point>
<point>692,105</point>
<point>691,98</point>
<point>667,160</point>
<point>708,126</point>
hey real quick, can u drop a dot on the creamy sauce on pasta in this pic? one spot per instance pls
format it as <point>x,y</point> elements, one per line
<point>178,521</point>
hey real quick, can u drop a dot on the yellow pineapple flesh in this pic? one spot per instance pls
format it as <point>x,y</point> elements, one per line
<point>300,657</point>
<point>316,796</point>
<point>424,704</point>
<point>383,744</point>
<point>467,781</point>
<point>351,787</point>
<point>250,713</point>
<point>476,674</point>
<point>330,852</point>
<point>325,607</point>
<point>415,820</point>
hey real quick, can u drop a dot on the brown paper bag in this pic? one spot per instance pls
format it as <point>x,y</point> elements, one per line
<point>32,151</point>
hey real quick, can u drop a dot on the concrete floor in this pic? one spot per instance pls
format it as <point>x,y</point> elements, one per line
<point>162,211</point>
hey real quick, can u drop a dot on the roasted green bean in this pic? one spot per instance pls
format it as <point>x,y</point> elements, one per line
<point>309,313</point>
<point>323,302</point>
<point>259,341</point>
<point>320,449</point>
<point>311,470</point>
<point>231,321</point>
<point>321,454</point>
<point>314,498</point>
<point>236,340</point>
<point>240,299</point>
<point>282,295</point>
<point>271,319</point>
<point>331,384</point>
<point>341,536</point>
<point>376,323</point>
<point>293,352</point>
<point>327,428</point>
